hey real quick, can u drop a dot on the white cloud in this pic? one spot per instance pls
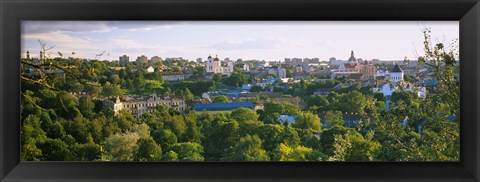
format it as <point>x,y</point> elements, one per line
<point>29,27</point>
<point>62,40</point>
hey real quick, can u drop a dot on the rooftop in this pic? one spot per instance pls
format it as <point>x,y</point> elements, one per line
<point>222,106</point>
<point>396,69</point>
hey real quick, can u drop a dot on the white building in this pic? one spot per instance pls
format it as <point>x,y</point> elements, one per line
<point>214,65</point>
<point>396,74</point>
<point>387,89</point>
<point>243,66</point>
<point>279,72</point>
<point>150,69</point>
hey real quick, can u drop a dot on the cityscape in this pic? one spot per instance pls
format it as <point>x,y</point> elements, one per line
<point>221,106</point>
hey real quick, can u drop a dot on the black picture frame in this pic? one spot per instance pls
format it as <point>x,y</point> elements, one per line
<point>13,11</point>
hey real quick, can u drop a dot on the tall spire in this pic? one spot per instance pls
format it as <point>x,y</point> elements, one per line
<point>352,58</point>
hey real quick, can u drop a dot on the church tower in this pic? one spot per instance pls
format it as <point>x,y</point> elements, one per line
<point>352,60</point>
<point>217,65</point>
<point>28,54</point>
<point>209,65</point>
<point>396,74</point>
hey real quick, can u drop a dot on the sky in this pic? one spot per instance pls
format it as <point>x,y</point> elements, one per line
<point>261,40</point>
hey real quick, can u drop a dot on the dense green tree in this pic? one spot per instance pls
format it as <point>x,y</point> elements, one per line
<point>165,138</point>
<point>333,118</point>
<point>188,151</point>
<point>121,146</point>
<point>54,150</point>
<point>220,133</point>
<point>111,90</point>
<point>307,120</point>
<point>244,114</point>
<point>221,99</point>
<point>248,148</point>
<point>138,82</point>
<point>236,79</point>
<point>170,156</point>
<point>86,106</point>
<point>88,152</point>
<point>148,150</point>
<point>288,153</point>
<point>32,134</point>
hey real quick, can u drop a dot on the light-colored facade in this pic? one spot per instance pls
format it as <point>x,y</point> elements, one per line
<point>150,69</point>
<point>139,106</point>
<point>173,76</point>
<point>243,66</point>
<point>365,69</point>
<point>396,74</point>
<point>387,89</point>
<point>279,72</point>
<point>214,65</point>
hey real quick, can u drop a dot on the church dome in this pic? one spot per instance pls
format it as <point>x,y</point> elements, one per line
<point>209,56</point>
<point>352,57</point>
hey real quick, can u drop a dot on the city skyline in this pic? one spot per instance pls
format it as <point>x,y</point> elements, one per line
<point>270,41</point>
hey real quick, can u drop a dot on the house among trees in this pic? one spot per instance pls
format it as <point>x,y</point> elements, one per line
<point>141,105</point>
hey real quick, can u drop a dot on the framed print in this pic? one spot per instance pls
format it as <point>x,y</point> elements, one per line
<point>239,90</point>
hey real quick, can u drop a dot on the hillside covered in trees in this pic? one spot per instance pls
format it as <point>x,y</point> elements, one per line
<point>59,126</point>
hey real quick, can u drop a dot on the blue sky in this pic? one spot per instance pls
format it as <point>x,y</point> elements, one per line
<point>271,41</point>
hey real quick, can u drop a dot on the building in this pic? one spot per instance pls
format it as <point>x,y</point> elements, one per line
<point>222,106</point>
<point>123,59</point>
<point>28,55</point>
<point>272,71</point>
<point>155,59</point>
<point>214,65</point>
<point>396,74</point>
<point>387,89</point>
<point>263,64</point>
<point>150,69</point>
<point>199,60</point>
<point>173,76</point>
<point>282,72</point>
<point>117,68</point>
<point>139,106</point>
<point>142,59</point>
<point>115,105</point>
<point>243,66</point>
<point>355,69</point>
